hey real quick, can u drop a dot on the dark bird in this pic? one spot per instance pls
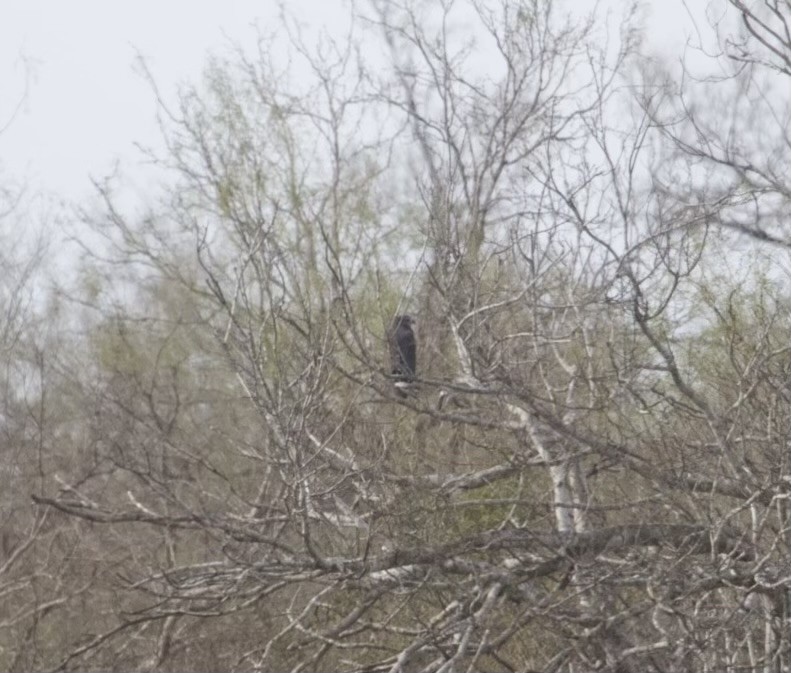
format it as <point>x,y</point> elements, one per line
<point>403,350</point>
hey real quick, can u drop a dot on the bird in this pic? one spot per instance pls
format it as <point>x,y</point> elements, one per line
<point>403,351</point>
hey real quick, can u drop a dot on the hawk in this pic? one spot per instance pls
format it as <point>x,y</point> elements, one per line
<point>403,351</point>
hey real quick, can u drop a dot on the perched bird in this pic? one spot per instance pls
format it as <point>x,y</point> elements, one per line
<point>403,351</point>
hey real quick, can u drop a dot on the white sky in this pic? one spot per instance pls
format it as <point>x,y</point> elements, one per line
<point>87,103</point>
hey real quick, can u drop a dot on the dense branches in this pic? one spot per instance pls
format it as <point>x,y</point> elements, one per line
<point>590,471</point>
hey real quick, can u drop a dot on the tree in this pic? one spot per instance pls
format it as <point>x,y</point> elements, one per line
<point>593,470</point>
<point>36,583</point>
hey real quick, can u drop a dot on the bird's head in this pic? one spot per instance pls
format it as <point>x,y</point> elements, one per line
<point>406,320</point>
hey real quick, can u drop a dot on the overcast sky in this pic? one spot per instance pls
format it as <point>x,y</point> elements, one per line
<point>87,103</point>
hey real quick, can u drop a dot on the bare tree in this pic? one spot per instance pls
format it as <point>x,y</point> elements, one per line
<point>35,582</point>
<point>589,473</point>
